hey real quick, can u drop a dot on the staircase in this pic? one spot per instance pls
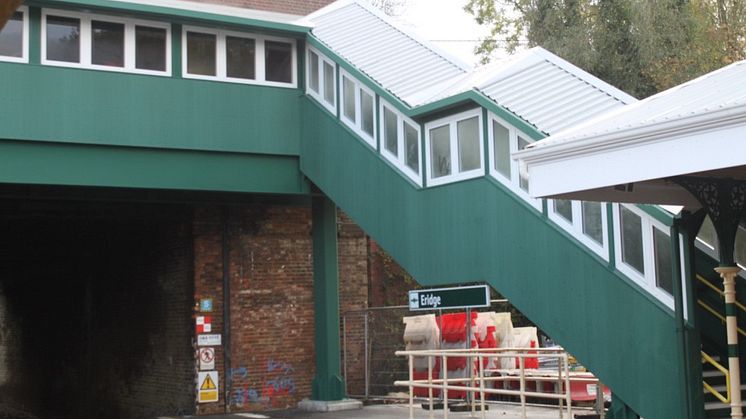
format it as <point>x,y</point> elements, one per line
<point>481,231</point>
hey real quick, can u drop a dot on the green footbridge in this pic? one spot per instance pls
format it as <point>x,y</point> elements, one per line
<point>413,147</point>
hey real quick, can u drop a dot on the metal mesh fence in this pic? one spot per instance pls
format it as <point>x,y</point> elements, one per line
<point>370,337</point>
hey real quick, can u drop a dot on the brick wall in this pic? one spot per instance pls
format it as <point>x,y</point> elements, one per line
<point>271,287</point>
<point>295,7</point>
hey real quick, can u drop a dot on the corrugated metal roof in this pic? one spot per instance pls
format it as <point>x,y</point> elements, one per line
<point>716,92</point>
<point>537,86</point>
<point>551,93</point>
<point>399,61</point>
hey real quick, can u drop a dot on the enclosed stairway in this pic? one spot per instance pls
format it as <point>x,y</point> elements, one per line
<point>480,230</point>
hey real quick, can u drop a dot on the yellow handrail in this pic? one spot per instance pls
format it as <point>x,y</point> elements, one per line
<point>717,290</point>
<point>709,360</point>
<point>718,315</point>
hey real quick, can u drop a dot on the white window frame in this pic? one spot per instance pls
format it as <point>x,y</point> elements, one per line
<point>575,228</point>
<point>400,161</point>
<point>648,280</point>
<point>221,63</point>
<point>514,182</point>
<point>357,124</point>
<point>86,42</point>
<point>452,122</point>
<point>24,39</point>
<point>319,96</point>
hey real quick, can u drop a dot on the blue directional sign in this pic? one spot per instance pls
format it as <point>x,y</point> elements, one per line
<point>471,296</point>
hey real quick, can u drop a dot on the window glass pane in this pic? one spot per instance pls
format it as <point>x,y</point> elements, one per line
<point>63,39</point>
<point>313,71</point>
<point>201,53</point>
<point>662,246</point>
<point>11,37</point>
<point>593,221</point>
<point>631,239</point>
<point>522,179</point>
<point>501,144</point>
<point>390,132</point>
<point>440,153</point>
<point>366,112</point>
<point>107,43</point>
<point>329,83</point>
<point>278,61</point>
<point>150,48</point>
<point>468,144</point>
<point>240,57</point>
<point>707,233</point>
<point>741,247</point>
<point>348,93</point>
<point>563,208</point>
<point>411,147</point>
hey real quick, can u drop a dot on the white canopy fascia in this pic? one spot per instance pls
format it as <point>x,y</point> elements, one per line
<point>610,165</point>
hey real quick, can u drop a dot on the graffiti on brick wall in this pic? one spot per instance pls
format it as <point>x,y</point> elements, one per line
<point>278,380</point>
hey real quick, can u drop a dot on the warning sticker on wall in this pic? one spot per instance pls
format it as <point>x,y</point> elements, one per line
<point>204,324</point>
<point>207,387</point>
<point>207,358</point>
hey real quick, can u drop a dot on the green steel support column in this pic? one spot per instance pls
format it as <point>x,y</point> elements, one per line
<point>327,384</point>
<point>689,225</point>
<point>691,386</point>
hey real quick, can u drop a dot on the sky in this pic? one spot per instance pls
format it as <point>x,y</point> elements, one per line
<point>446,23</point>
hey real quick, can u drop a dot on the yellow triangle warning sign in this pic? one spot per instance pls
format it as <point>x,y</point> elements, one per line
<point>208,384</point>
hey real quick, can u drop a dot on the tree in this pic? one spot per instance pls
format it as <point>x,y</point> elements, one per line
<point>640,46</point>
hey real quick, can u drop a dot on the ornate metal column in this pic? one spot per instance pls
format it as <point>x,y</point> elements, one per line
<point>724,200</point>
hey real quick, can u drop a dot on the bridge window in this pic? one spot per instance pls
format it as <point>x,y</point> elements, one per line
<point>150,48</point>
<point>643,249</point>
<point>63,39</point>
<point>241,57</point>
<point>105,43</point>
<point>401,142</point>
<point>586,221</point>
<point>14,37</point>
<point>454,148</point>
<point>212,54</point>
<point>358,108</point>
<point>504,139</point>
<point>321,79</point>
<point>662,256</point>
<point>278,61</point>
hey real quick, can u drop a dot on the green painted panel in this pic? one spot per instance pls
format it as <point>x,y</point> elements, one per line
<point>128,167</point>
<point>476,231</point>
<point>100,107</point>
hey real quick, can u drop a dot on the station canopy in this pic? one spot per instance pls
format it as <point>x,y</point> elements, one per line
<point>632,154</point>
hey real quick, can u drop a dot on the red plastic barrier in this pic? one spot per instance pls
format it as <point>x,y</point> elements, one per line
<point>529,362</point>
<point>584,391</point>
<point>453,326</point>
<point>422,375</point>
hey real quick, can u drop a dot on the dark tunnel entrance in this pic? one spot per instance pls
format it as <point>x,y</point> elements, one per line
<point>96,302</point>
